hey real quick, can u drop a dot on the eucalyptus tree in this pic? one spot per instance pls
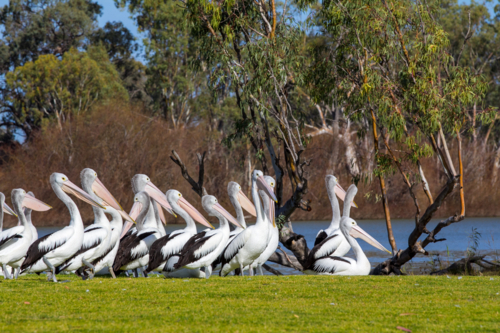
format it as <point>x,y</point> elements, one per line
<point>388,62</point>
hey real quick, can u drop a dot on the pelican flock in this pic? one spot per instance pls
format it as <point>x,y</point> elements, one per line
<point>112,241</point>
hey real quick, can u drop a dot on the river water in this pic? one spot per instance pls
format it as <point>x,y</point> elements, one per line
<point>458,239</point>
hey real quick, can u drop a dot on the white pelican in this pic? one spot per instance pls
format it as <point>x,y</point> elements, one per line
<point>34,237</point>
<point>335,265</point>
<point>334,190</point>
<point>249,244</point>
<point>239,201</point>
<point>108,257</point>
<point>172,244</point>
<point>274,233</point>
<point>53,249</point>
<point>155,217</point>
<point>203,248</point>
<point>17,240</point>
<point>96,237</point>
<point>331,241</point>
<point>133,251</point>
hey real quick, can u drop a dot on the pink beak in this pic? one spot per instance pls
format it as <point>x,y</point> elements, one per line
<point>33,203</point>
<point>246,204</point>
<point>339,191</point>
<point>193,212</point>
<point>227,215</point>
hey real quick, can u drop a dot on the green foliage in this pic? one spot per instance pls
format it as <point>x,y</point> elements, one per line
<point>52,88</point>
<point>256,304</point>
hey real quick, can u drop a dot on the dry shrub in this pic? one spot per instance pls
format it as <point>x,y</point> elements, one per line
<point>118,141</point>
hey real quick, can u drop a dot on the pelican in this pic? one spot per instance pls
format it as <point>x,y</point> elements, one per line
<point>239,201</point>
<point>53,249</point>
<point>108,257</point>
<point>155,217</point>
<point>171,244</point>
<point>333,189</point>
<point>133,251</point>
<point>274,233</point>
<point>336,265</point>
<point>17,240</point>
<point>249,244</point>
<point>203,248</point>
<point>331,241</point>
<point>96,237</point>
<point>34,236</point>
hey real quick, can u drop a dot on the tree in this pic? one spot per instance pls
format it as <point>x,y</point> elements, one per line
<point>51,88</point>
<point>390,64</point>
<point>121,45</point>
<point>173,83</point>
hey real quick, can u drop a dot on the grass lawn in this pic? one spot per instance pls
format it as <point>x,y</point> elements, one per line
<point>257,304</point>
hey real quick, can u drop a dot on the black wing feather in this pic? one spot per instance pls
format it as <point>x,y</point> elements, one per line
<point>34,254</point>
<point>321,237</point>
<point>310,259</point>
<point>186,256</point>
<point>9,238</point>
<point>155,254</point>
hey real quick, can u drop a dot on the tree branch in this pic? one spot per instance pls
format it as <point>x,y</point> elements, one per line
<point>196,186</point>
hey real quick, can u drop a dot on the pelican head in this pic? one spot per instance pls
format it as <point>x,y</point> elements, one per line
<point>272,183</point>
<point>352,228</point>
<point>95,188</point>
<point>258,178</point>
<point>22,199</point>
<point>213,208</point>
<point>61,181</point>
<point>142,182</point>
<point>176,200</point>
<point>235,193</point>
<point>332,183</point>
<point>4,207</point>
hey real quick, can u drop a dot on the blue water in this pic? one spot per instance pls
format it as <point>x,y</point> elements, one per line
<point>457,238</point>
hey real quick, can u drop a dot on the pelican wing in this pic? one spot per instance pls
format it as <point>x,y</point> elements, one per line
<point>165,247</point>
<point>93,236</point>
<point>235,245</point>
<point>6,235</point>
<point>132,248</point>
<point>332,265</point>
<point>46,244</point>
<point>197,247</point>
<point>321,236</point>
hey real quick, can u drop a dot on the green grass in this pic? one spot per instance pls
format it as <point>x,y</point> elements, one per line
<point>257,304</point>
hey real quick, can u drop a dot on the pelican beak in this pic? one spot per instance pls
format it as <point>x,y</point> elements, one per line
<point>357,232</point>
<point>193,212</point>
<point>126,217</point>
<point>272,212</point>
<point>162,215</point>
<point>134,212</point>
<point>246,204</point>
<point>264,186</point>
<point>227,215</point>
<point>339,191</point>
<point>157,195</point>
<point>102,192</point>
<point>8,210</point>
<point>71,188</point>
<point>33,203</point>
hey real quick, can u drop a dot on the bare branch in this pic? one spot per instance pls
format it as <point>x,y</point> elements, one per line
<point>196,186</point>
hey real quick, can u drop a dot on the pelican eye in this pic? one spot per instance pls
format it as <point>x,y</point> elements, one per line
<point>64,178</point>
<point>353,223</point>
<point>180,195</point>
<point>272,184</point>
<point>95,174</point>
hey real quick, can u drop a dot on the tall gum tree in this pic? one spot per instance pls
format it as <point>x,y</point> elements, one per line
<point>388,63</point>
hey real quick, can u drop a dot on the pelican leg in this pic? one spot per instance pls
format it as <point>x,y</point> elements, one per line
<point>135,271</point>
<point>208,271</point>
<point>241,270</point>
<point>6,273</point>
<point>250,270</point>
<point>112,272</point>
<point>260,270</point>
<point>89,265</point>
<point>49,265</point>
<point>17,272</point>
<point>127,274</point>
